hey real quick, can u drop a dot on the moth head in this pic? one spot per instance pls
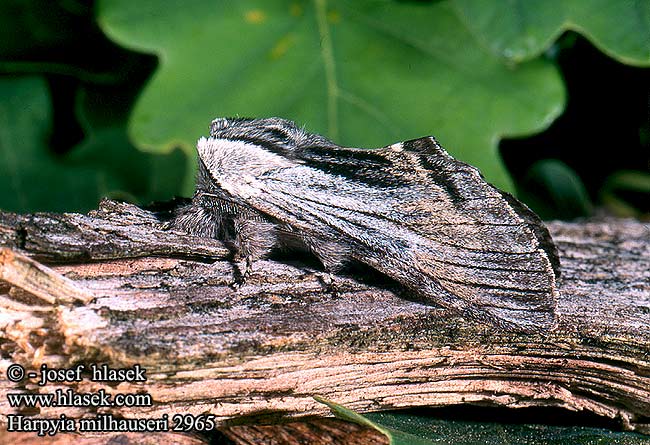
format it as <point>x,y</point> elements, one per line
<point>271,132</point>
<point>233,165</point>
<point>277,134</point>
<point>240,150</point>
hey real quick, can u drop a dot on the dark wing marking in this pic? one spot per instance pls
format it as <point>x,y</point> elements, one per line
<point>437,160</point>
<point>427,220</point>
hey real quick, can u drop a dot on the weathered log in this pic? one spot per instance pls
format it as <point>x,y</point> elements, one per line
<point>14,438</point>
<point>259,353</point>
<point>314,432</point>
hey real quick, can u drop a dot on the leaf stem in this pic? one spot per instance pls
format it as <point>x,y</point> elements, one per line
<point>327,53</point>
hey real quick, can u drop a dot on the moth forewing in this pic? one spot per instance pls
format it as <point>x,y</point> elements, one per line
<point>409,210</point>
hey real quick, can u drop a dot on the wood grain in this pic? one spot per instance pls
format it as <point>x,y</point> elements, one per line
<point>259,353</point>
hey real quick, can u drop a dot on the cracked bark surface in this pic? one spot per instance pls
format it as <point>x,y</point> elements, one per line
<point>115,287</point>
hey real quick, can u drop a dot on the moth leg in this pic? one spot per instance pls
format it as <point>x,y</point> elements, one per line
<point>196,220</point>
<point>253,240</point>
<point>333,256</point>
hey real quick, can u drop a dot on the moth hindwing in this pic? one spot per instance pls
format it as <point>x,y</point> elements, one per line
<point>408,210</point>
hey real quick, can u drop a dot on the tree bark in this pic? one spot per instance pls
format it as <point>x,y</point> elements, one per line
<point>122,290</point>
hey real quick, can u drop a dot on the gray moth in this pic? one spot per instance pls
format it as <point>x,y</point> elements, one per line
<point>408,210</point>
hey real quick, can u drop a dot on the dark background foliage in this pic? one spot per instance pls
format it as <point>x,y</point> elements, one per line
<point>106,99</point>
<point>603,136</point>
<point>595,153</point>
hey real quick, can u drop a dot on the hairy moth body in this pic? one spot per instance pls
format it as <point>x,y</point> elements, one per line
<point>408,210</point>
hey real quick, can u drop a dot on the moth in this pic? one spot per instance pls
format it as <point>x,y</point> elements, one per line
<point>408,210</point>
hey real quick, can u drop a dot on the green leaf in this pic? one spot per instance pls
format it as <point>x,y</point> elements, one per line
<point>406,428</point>
<point>522,29</point>
<point>32,178</point>
<point>365,73</point>
<point>395,437</point>
<point>622,183</point>
<point>456,432</point>
<point>124,173</point>
<point>129,174</point>
<point>554,190</point>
